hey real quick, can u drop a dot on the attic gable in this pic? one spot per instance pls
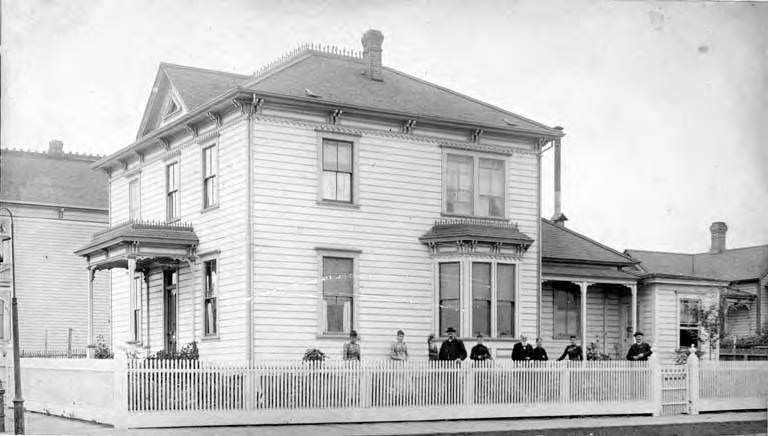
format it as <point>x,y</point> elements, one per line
<point>179,89</point>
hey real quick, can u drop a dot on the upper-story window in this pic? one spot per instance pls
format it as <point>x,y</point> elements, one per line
<point>210,172</point>
<point>337,170</point>
<point>134,200</point>
<point>172,191</point>
<point>474,185</point>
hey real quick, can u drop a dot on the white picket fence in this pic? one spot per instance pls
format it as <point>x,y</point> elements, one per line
<point>161,393</point>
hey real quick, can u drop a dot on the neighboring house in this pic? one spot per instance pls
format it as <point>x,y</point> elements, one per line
<point>58,202</point>
<point>263,215</point>
<point>576,268</point>
<point>680,280</point>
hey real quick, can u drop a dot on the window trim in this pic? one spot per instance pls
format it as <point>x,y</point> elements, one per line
<point>476,156</point>
<point>355,180</point>
<point>217,294</point>
<point>5,325</point>
<point>215,176</point>
<point>137,180</point>
<point>168,164</point>
<point>465,294</point>
<point>340,253</point>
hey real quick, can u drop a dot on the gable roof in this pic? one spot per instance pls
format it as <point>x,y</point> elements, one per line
<point>60,179</point>
<point>332,78</point>
<point>560,243</point>
<point>731,265</point>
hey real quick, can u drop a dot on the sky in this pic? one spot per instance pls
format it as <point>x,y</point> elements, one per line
<point>664,104</point>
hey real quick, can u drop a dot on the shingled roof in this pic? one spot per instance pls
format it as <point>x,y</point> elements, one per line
<point>561,244</point>
<point>52,178</point>
<point>334,78</point>
<point>730,265</point>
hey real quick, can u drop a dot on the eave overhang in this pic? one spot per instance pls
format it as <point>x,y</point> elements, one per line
<point>241,97</point>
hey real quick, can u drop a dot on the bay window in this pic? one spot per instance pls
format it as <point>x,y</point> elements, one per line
<point>485,304</point>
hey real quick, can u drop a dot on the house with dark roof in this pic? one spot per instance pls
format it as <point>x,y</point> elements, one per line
<point>57,202</point>
<point>261,215</point>
<point>577,269</point>
<point>740,273</point>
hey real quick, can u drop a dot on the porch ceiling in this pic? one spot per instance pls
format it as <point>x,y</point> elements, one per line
<point>586,272</point>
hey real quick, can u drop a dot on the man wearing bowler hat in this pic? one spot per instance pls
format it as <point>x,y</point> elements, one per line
<point>639,350</point>
<point>452,348</point>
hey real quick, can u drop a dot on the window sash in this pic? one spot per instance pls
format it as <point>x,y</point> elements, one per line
<point>567,318</point>
<point>338,284</point>
<point>505,300</point>
<point>172,191</point>
<point>210,315</point>
<point>209,175</point>
<point>337,170</point>
<point>134,200</point>
<point>136,306</point>
<point>481,298</point>
<point>474,185</point>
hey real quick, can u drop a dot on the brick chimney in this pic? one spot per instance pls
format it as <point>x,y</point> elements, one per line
<point>372,40</point>
<point>55,147</point>
<point>718,229</point>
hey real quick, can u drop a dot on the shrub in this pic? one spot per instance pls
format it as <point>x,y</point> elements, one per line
<point>187,352</point>
<point>746,341</point>
<point>102,350</point>
<point>313,355</point>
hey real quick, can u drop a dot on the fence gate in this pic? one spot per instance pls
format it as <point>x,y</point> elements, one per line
<point>674,389</point>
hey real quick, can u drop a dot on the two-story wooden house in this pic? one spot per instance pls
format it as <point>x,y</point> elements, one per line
<point>58,202</point>
<point>261,215</point>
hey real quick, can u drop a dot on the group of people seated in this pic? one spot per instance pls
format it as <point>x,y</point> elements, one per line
<point>452,349</point>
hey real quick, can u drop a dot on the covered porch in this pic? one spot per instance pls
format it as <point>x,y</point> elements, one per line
<point>153,254</point>
<point>600,311</point>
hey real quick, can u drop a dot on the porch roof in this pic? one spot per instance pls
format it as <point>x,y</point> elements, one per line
<point>140,239</point>
<point>549,270</point>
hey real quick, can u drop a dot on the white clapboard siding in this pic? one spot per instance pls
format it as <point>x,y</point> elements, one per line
<point>743,322</point>
<point>221,232</point>
<point>645,313</point>
<point>666,316</point>
<point>52,282</point>
<point>400,196</point>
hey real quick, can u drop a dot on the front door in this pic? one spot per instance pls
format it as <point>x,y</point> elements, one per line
<point>170,297</point>
<point>626,325</point>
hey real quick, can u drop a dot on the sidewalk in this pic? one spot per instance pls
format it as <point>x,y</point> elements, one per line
<point>742,423</point>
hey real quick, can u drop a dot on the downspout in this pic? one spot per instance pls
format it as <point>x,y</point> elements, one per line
<point>249,232</point>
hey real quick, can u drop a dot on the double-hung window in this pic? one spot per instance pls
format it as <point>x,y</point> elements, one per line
<point>172,192</point>
<point>210,322</point>
<point>566,312</point>
<point>337,170</point>
<point>338,285</point>
<point>2,319</point>
<point>136,309</point>
<point>134,200</point>
<point>486,306</point>
<point>689,321</point>
<point>474,185</point>
<point>210,170</point>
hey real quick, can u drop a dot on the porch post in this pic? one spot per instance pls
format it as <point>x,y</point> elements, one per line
<point>146,281</point>
<point>131,293</point>
<point>91,344</point>
<point>584,286</point>
<point>633,288</point>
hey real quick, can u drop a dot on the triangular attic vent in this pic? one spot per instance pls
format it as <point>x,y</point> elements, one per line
<point>172,108</point>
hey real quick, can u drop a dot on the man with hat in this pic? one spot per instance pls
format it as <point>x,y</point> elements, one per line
<point>452,348</point>
<point>639,350</point>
